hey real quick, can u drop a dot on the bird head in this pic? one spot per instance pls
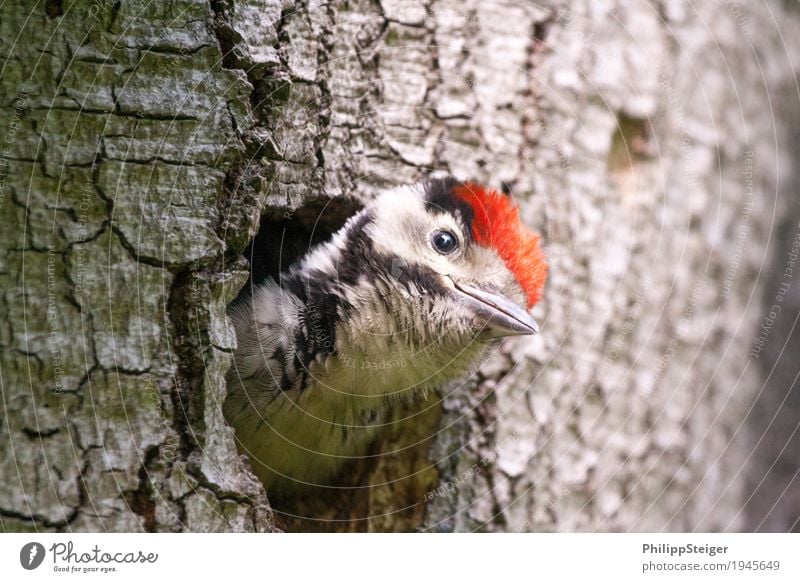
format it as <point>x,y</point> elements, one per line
<point>440,260</point>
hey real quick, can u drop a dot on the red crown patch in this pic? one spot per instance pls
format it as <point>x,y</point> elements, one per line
<point>497,225</point>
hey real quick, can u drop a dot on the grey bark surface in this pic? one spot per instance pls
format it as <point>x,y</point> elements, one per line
<point>120,126</point>
<point>145,141</point>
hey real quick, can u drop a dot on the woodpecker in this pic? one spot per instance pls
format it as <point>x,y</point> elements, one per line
<point>406,296</point>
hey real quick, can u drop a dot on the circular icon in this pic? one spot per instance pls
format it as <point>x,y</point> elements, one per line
<point>31,555</point>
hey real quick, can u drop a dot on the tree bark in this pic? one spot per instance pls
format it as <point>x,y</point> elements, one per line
<point>121,125</point>
<point>147,144</point>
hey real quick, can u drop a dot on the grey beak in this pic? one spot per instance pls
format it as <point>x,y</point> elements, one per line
<point>500,316</point>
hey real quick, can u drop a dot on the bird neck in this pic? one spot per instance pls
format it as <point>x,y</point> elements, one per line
<point>371,341</point>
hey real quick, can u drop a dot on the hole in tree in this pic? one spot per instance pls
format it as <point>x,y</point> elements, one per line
<point>284,237</point>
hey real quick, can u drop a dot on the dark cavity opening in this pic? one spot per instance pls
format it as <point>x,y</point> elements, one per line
<point>285,236</point>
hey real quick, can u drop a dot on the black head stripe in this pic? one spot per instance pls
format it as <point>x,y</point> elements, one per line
<point>360,261</point>
<point>354,261</point>
<point>409,274</point>
<point>440,196</point>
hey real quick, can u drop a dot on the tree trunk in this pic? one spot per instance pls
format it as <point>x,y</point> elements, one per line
<point>147,144</point>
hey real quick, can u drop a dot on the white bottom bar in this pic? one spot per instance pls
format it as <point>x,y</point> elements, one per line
<point>406,557</point>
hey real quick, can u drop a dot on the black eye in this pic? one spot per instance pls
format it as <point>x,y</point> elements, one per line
<point>444,242</point>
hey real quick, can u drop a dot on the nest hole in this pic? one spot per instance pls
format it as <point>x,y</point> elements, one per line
<point>285,236</point>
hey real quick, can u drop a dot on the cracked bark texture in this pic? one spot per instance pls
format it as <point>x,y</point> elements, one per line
<point>146,142</point>
<point>120,127</point>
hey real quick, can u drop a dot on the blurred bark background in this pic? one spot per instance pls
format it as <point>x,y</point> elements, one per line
<point>145,145</point>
